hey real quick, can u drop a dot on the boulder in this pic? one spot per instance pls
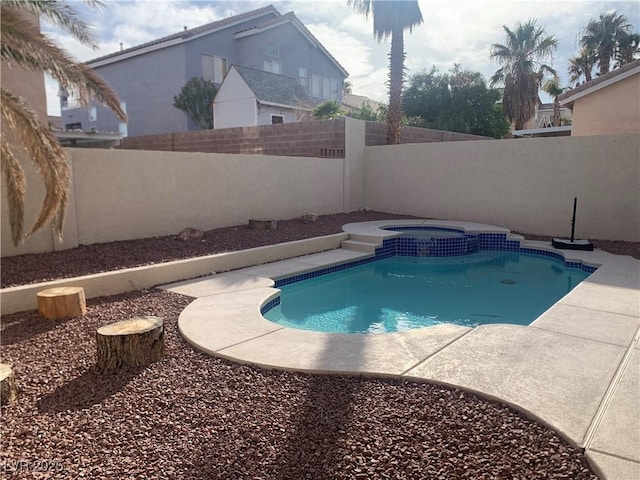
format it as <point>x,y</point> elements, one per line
<point>309,217</point>
<point>188,234</point>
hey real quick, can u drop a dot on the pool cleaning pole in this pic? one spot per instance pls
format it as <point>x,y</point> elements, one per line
<point>573,219</point>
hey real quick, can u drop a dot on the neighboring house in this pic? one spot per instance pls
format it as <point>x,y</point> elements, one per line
<point>351,101</point>
<point>250,97</point>
<point>607,105</point>
<point>541,124</point>
<point>544,116</point>
<point>147,77</point>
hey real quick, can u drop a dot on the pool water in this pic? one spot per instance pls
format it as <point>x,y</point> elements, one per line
<point>402,293</point>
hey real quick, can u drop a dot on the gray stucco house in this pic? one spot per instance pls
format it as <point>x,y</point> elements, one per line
<point>146,77</point>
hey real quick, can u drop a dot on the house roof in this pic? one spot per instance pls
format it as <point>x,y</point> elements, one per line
<point>273,89</point>
<point>289,17</point>
<point>357,101</point>
<point>631,68</point>
<point>185,35</point>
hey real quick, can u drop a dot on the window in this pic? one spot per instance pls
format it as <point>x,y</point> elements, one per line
<point>334,89</point>
<point>271,50</point>
<point>277,119</point>
<point>326,88</point>
<point>303,78</point>
<point>316,85</point>
<point>73,126</point>
<point>272,66</point>
<point>219,69</point>
<point>93,114</point>
<point>213,68</point>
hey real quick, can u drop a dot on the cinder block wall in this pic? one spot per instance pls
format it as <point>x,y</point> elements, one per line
<point>304,139</point>
<point>320,138</point>
<point>376,134</point>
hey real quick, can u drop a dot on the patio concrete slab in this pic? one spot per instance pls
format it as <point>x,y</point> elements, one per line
<point>610,467</point>
<point>219,283</point>
<point>592,324</point>
<point>389,354</point>
<point>277,270</point>
<point>332,257</point>
<point>571,369</point>
<point>619,430</point>
<point>219,321</point>
<point>559,379</point>
<point>607,293</point>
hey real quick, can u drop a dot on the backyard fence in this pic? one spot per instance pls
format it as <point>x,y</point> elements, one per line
<point>526,185</point>
<point>320,138</point>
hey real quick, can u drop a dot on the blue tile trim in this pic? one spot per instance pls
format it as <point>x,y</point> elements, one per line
<point>270,304</point>
<point>407,246</point>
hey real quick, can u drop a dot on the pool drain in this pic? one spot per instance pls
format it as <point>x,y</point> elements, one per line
<point>507,281</point>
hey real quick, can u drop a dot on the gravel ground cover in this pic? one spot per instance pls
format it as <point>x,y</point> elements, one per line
<point>86,259</point>
<point>190,416</point>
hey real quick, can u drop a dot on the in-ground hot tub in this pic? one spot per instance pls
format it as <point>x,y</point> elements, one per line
<point>421,241</point>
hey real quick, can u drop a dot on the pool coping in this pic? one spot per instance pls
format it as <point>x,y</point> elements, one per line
<point>579,376</point>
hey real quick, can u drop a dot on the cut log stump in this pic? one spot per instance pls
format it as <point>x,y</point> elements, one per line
<point>8,387</point>
<point>62,302</point>
<point>135,342</point>
<point>263,224</point>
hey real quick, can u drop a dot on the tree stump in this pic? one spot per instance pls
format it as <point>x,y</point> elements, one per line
<point>263,224</point>
<point>62,302</point>
<point>8,387</point>
<point>135,342</point>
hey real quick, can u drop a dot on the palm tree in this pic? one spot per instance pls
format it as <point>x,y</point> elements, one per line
<point>628,49</point>
<point>553,88</point>
<point>24,45</point>
<point>391,19</point>
<point>603,36</point>
<point>522,71</point>
<point>582,66</point>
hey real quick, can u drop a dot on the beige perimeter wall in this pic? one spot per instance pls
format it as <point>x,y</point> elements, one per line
<point>126,194</point>
<point>526,185</point>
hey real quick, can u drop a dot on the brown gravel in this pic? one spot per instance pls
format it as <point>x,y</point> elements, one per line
<point>102,257</point>
<point>191,416</point>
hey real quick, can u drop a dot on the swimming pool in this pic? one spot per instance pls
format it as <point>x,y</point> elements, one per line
<point>396,292</point>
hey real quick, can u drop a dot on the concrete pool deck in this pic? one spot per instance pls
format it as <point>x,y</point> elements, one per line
<point>575,369</point>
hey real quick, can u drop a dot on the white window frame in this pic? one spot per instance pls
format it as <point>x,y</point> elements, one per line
<point>271,53</point>
<point>219,69</point>
<point>278,116</point>
<point>273,66</point>
<point>303,77</point>
<point>213,68</point>
<point>316,88</point>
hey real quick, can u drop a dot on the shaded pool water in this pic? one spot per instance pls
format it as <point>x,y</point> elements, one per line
<point>401,293</point>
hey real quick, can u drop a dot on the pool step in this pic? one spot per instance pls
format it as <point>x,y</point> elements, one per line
<point>359,246</point>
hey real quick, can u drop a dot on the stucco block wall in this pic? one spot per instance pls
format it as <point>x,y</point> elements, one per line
<point>525,185</point>
<point>135,194</point>
<point>611,110</point>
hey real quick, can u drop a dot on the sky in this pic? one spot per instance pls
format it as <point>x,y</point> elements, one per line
<point>453,31</point>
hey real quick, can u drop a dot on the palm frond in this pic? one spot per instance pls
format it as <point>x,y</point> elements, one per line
<point>58,13</point>
<point>15,183</point>
<point>45,152</point>
<point>23,43</point>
